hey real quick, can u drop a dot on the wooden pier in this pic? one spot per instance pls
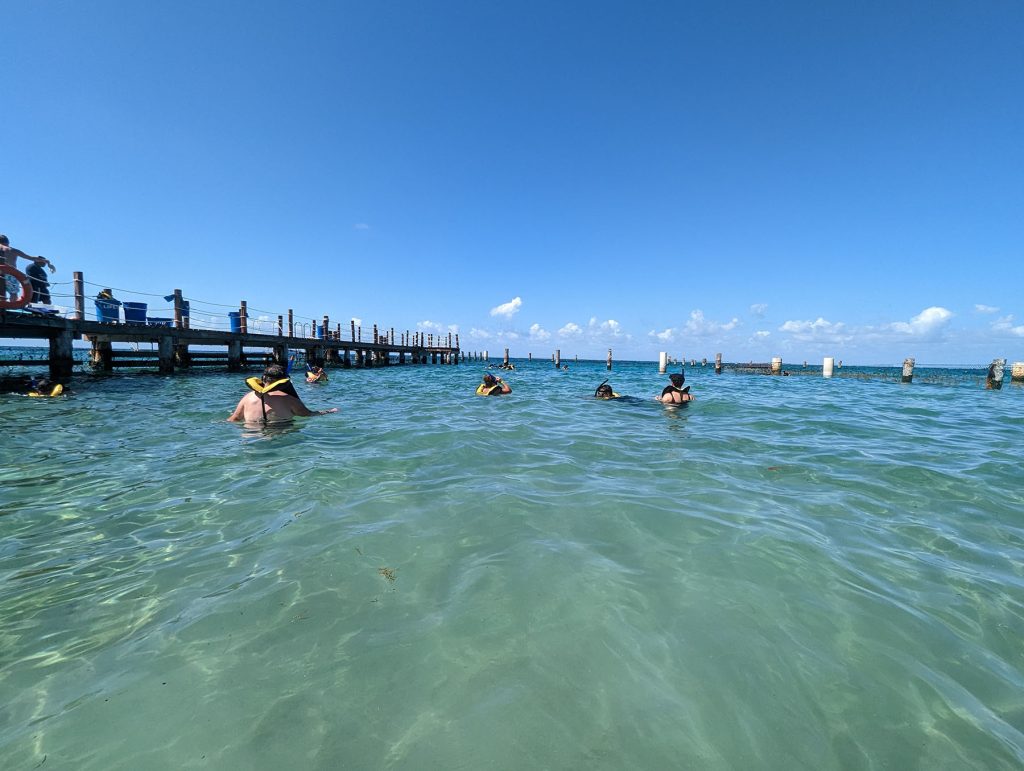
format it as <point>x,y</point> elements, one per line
<point>174,341</point>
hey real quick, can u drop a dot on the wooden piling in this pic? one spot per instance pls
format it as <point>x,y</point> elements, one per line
<point>375,340</point>
<point>558,358</point>
<point>1017,372</point>
<point>353,333</point>
<point>609,362</point>
<point>280,325</point>
<point>291,323</point>
<point>243,317</point>
<point>718,364</point>
<point>908,370</point>
<point>324,333</point>
<point>996,370</point>
<point>178,309</point>
<point>505,360</point>
<point>79,290</point>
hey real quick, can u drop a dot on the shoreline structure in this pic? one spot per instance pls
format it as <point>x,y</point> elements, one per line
<point>173,336</point>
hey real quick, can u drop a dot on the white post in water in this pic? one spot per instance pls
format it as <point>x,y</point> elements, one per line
<point>718,364</point>
<point>609,359</point>
<point>908,370</point>
<point>505,361</point>
<point>662,362</point>
<point>826,366</point>
<point>996,370</point>
<point>1017,372</point>
<point>776,365</point>
<point>485,356</point>
<point>558,358</point>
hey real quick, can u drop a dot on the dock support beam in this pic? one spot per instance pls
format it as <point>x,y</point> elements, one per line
<point>102,355</point>
<point>235,356</point>
<point>79,290</point>
<point>62,359</point>
<point>166,354</point>
<point>1017,372</point>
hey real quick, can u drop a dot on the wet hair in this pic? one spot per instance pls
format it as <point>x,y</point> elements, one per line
<point>677,380</point>
<point>273,372</point>
<point>489,379</point>
<point>604,390</point>
<point>4,240</point>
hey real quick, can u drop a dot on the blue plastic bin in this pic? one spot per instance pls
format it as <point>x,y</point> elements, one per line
<point>107,312</point>
<point>235,320</point>
<point>134,313</point>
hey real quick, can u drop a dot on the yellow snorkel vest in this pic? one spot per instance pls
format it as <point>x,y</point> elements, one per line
<point>56,391</point>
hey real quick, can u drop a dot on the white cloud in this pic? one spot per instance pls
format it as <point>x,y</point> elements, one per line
<point>666,336</point>
<point>762,333</point>
<point>758,309</point>
<point>479,334</point>
<point>360,226</point>
<point>1005,324</point>
<point>605,329</point>
<point>698,326</point>
<point>509,309</point>
<point>453,328</point>
<point>428,326</point>
<point>570,330</point>
<point>537,332</point>
<point>357,322</point>
<point>930,321</point>
<point>979,308</point>
<point>819,330</point>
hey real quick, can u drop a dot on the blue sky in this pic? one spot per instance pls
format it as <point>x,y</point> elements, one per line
<point>800,179</point>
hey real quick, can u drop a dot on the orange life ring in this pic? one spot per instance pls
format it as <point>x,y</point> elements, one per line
<point>26,289</point>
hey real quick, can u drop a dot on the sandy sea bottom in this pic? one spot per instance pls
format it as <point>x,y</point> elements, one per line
<point>790,573</point>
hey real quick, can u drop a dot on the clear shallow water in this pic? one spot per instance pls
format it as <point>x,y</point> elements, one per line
<point>790,573</point>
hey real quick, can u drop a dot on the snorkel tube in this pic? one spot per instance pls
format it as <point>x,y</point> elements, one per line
<point>597,391</point>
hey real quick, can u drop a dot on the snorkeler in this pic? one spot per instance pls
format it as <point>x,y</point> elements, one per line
<point>604,391</point>
<point>675,393</point>
<point>43,387</point>
<point>492,386</point>
<point>315,372</point>
<point>273,400</point>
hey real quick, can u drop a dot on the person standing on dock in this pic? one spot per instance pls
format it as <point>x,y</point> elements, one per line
<point>273,400</point>
<point>675,393</point>
<point>9,256</point>
<point>40,282</point>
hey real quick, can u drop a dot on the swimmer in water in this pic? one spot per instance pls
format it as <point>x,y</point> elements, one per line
<point>272,400</point>
<point>675,393</point>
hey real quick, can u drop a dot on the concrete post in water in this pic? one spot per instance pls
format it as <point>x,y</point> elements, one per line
<point>609,362</point>
<point>704,362</point>
<point>908,370</point>
<point>558,358</point>
<point>1017,372</point>
<point>996,370</point>
<point>486,357</point>
<point>166,355</point>
<point>79,283</point>
<point>826,366</point>
<point>505,360</point>
<point>663,362</point>
<point>776,365</point>
<point>243,317</point>
<point>718,364</point>
<point>62,356</point>
<point>234,355</point>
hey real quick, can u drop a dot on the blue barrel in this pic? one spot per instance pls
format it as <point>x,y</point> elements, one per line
<point>319,331</point>
<point>107,312</point>
<point>235,320</point>
<point>134,313</point>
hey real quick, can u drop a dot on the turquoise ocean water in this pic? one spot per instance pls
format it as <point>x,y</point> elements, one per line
<point>792,573</point>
